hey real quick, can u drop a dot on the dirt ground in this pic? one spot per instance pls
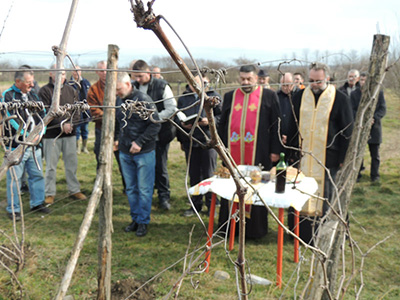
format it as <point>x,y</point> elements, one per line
<point>124,288</point>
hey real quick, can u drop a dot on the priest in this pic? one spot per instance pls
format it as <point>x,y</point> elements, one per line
<point>248,127</point>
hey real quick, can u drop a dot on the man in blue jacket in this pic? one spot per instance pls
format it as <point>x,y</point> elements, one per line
<point>136,144</point>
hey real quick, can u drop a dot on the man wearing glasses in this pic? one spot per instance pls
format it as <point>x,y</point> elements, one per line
<point>325,124</point>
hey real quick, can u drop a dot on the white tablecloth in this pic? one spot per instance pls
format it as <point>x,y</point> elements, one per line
<point>226,188</point>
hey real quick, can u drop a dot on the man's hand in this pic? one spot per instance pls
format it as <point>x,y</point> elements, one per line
<point>67,128</point>
<point>115,146</point>
<point>203,122</point>
<point>187,126</point>
<point>274,157</point>
<point>135,148</point>
<point>284,139</point>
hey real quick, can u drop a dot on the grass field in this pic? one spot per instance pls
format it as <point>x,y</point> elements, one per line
<point>374,215</point>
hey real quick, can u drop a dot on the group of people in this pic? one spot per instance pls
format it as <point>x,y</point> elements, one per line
<point>254,122</point>
<point>59,137</point>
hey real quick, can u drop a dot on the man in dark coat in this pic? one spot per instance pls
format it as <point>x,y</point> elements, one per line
<point>376,130</point>
<point>59,140</point>
<point>159,89</point>
<point>202,160</point>
<point>325,126</point>
<point>352,83</point>
<point>249,129</point>
<point>136,143</point>
<point>285,97</point>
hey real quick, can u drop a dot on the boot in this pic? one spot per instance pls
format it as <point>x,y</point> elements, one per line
<point>84,146</point>
<point>78,149</point>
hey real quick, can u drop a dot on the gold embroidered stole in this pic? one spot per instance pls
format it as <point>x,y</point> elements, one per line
<point>314,126</point>
<point>243,125</point>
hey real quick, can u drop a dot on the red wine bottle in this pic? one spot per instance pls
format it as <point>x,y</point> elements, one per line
<point>280,179</point>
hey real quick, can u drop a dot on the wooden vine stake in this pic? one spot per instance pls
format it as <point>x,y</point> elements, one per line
<point>330,238</point>
<point>102,185</point>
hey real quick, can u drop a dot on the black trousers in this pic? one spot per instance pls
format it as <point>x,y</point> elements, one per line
<point>96,149</point>
<point>309,225</point>
<point>162,178</point>
<point>202,166</point>
<point>256,226</point>
<point>375,160</point>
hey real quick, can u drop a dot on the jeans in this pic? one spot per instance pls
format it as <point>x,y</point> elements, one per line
<point>35,181</point>
<point>82,130</point>
<point>139,174</point>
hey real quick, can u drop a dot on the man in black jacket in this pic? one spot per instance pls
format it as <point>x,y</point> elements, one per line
<point>376,130</point>
<point>136,144</point>
<point>202,160</point>
<point>65,142</point>
<point>159,89</point>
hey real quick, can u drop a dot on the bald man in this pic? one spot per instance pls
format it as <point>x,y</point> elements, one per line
<point>285,95</point>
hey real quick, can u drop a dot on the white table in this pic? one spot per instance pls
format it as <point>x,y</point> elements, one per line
<point>296,195</point>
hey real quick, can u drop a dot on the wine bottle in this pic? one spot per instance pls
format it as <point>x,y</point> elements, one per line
<point>280,179</point>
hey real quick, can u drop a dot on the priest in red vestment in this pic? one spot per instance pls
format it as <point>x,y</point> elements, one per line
<point>249,129</point>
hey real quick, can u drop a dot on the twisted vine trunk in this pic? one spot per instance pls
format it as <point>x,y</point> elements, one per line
<point>147,20</point>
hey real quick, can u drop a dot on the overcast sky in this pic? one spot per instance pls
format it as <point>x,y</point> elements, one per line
<point>212,29</point>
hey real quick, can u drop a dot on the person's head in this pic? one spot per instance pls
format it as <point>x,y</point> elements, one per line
<point>363,78</point>
<point>124,86</point>
<point>102,73</point>
<point>158,74</point>
<point>248,78</point>
<point>52,73</point>
<point>263,77</point>
<point>353,76</point>
<point>142,75</point>
<point>132,74</point>
<point>298,79</point>
<point>24,79</point>
<point>77,74</point>
<point>318,76</point>
<point>197,78</point>
<point>287,83</point>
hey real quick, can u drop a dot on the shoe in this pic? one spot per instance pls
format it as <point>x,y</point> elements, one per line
<point>49,200</point>
<point>78,196</point>
<point>165,205</point>
<point>141,230</point>
<point>24,188</point>
<point>41,209</point>
<point>16,214</point>
<point>215,213</point>
<point>78,149</point>
<point>375,179</point>
<point>131,227</point>
<point>84,146</point>
<point>189,213</point>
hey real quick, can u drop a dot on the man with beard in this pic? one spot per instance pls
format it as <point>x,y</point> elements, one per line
<point>325,125</point>
<point>248,128</point>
